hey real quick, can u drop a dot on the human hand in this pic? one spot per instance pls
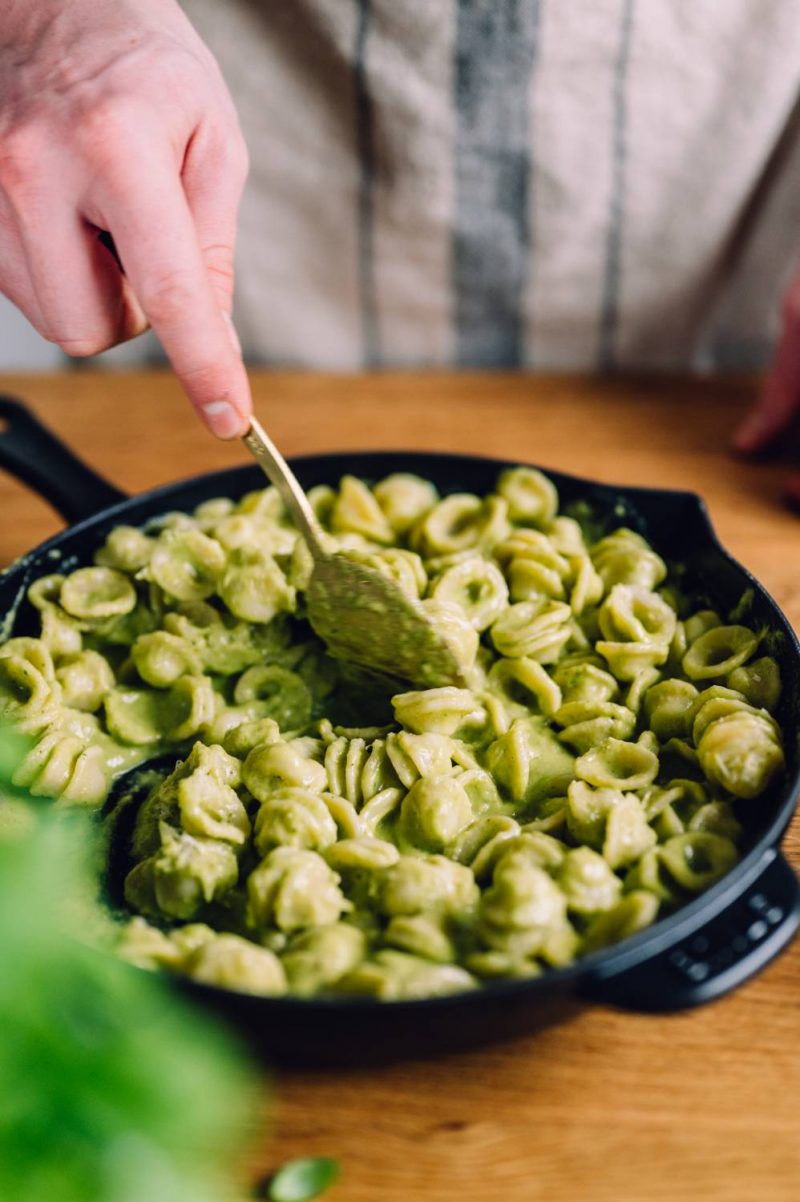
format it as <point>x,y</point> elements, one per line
<point>114,116</point>
<point>778,405</point>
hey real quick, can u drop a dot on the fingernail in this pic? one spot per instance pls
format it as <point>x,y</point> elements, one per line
<point>223,419</point>
<point>237,346</point>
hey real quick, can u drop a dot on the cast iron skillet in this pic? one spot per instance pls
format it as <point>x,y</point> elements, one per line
<point>707,948</point>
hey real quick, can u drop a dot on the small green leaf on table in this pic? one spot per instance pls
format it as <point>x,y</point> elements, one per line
<point>303,1179</point>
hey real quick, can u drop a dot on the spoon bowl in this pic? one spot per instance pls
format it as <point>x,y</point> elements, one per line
<point>363,617</point>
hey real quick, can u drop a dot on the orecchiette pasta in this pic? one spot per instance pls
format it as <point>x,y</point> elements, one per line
<point>477,586</point>
<point>592,770</point>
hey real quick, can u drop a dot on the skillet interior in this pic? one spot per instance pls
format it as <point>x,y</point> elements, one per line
<point>678,526</point>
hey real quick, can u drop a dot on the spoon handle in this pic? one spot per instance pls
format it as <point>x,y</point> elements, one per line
<point>278,472</point>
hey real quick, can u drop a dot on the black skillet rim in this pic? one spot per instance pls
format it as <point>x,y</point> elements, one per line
<point>631,952</point>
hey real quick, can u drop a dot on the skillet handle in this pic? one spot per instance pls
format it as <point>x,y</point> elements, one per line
<point>32,453</point>
<point>729,949</point>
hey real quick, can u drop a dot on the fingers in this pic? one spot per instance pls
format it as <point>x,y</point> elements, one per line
<point>147,212</point>
<point>779,402</point>
<point>15,278</point>
<point>84,304</point>
<point>178,269</point>
<point>214,173</point>
<point>98,148</point>
<point>66,284</point>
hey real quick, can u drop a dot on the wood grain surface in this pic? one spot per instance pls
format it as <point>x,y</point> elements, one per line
<point>699,1107</point>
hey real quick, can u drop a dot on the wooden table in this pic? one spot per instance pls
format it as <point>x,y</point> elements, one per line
<point>700,1107</point>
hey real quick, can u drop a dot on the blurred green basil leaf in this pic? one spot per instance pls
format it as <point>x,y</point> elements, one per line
<point>301,1180</point>
<point>111,1089</point>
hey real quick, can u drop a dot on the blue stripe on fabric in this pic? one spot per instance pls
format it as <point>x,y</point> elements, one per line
<point>365,144</point>
<point>609,310</point>
<point>495,54</point>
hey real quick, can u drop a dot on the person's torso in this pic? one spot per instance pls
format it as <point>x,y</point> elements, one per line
<point>513,182</point>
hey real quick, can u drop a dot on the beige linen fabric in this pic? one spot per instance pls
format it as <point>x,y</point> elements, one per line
<point>545,183</point>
